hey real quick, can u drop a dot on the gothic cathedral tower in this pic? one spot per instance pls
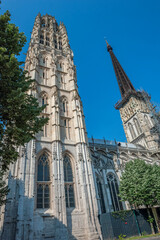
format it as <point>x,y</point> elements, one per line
<point>53,192</point>
<point>139,119</point>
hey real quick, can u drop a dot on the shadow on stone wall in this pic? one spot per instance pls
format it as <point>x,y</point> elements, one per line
<point>21,222</point>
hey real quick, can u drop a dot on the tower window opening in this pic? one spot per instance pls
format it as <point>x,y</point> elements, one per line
<point>60,45</point>
<point>137,126</point>
<point>55,43</point>
<point>47,41</point>
<point>146,118</point>
<point>43,23</point>
<point>44,60</point>
<point>43,182</point>
<point>43,74</point>
<point>131,129</point>
<point>41,39</point>
<point>64,106</point>
<point>69,184</point>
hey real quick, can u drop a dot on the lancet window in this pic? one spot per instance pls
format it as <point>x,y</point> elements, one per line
<point>42,38</point>
<point>100,195</point>
<point>137,126</point>
<point>47,40</point>
<point>60,44</point>
<point>66,129</point>
<point>68,183</point>
<point>131,129</point>
<point>114,192</point>
<point>44,101</point>
<point>43,23</point>
<point>43,182</point>
<point>55,42</point>
<point>147,121</point>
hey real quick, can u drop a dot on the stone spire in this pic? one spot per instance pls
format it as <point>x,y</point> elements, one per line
<point>124,83</point>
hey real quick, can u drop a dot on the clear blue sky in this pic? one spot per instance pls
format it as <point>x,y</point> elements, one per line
<point>132,29</point>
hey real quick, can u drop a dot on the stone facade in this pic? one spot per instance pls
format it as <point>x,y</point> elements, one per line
<point>62,181</point>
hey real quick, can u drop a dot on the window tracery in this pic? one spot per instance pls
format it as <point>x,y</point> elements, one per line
<point>131,129</point>
<point>42,38</point>
<point>137,126</point>
<point>43,182</point>
<point>47,40</point>
<point>100,194</point>
<point>68,183</point>
<point>146,118</point>
<point>114,192</point>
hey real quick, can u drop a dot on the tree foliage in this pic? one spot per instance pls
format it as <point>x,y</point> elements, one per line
<point>19,111</point>
<point>140,184</point>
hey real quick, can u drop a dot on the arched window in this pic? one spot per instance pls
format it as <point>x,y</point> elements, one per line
<point>43,182</point>
<point>43,23</point>
<point>146,118</point>
<point>47,40</point>
<point>44,101</point>
<point>42,38</point>
<point>131,129</point>
<point>60,44</point>
<point>68,183</point>
<point>100,194</point>
<point>63,82</point>
<point>137,126</point>
<point>114,192</point>
<point>55,42</point>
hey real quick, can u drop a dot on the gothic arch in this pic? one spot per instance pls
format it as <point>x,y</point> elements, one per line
<point>103,152</point>
<point>100,192</point>
<point>137,126</point>
<point>69,181</point>
<point>114,191</point>
<point>112,152</point>
<point>64,104</point>
<point>147,120</point>
<point>132,131</point>
<point>134,155</point>
<point>43,179</point>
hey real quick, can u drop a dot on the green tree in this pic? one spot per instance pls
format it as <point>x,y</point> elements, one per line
<point>140,185</point>
<point>19,111</point>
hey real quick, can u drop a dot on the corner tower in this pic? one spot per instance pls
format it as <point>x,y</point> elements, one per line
<point>139,118</point>
<point>54,186</point>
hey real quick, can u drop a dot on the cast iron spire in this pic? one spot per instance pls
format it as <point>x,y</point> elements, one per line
<point>124,83</point>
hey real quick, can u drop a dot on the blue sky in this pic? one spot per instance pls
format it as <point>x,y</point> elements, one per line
<point>133,30</point>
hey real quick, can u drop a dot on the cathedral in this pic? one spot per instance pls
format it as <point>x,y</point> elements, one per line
<point>63,182</point>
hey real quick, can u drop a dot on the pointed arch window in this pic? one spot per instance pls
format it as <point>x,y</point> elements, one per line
<point>60,44</point>
<point>68,183</point>
<point>131,129</point>
<point>55,42</point>
<point>114,192</point>
<point>42,38</point>
<point>44,101</point>
<point>137,126</point>
<point>146,118</point>
<point>43,23</point>
<point>47,40</point>
<point>100,194</point>
<point>43,182</point>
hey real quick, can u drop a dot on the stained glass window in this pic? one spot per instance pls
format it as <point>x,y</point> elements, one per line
<point>114,192</point>
<point>100,194</point>
<point>69,184</point>
<point>43,182</point>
